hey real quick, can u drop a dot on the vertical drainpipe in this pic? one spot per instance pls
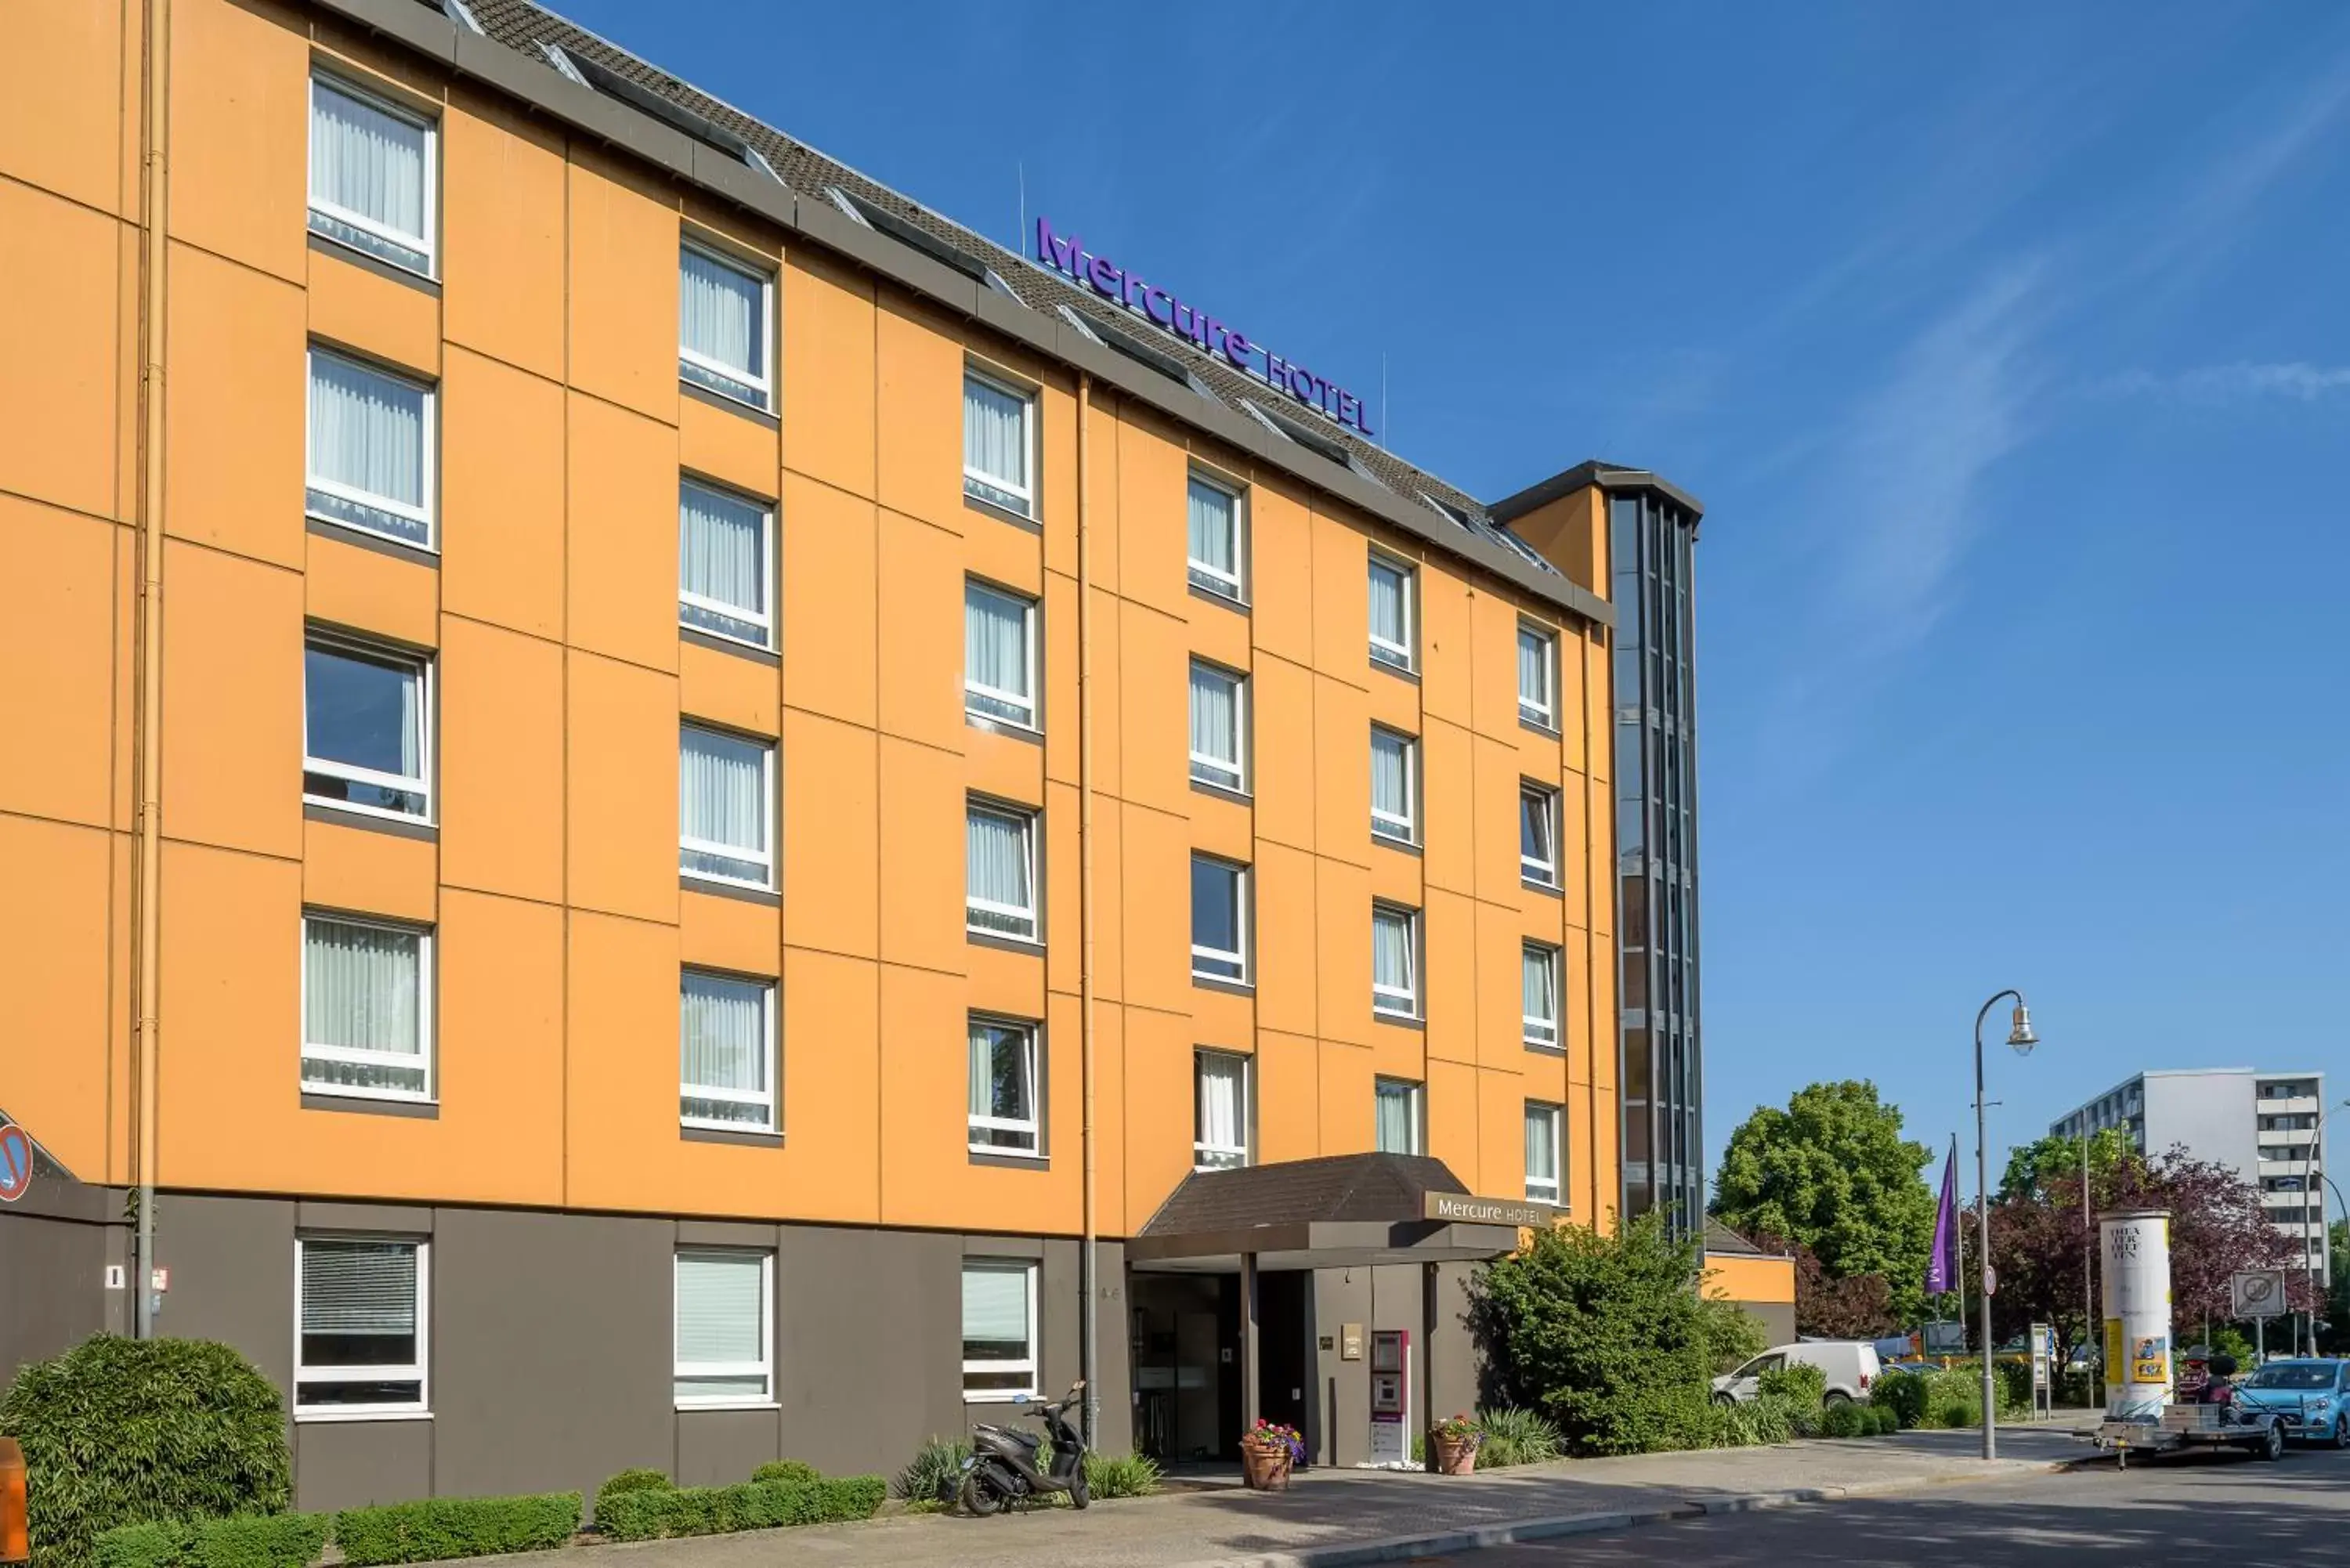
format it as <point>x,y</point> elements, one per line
<point>146,692</point>
<point>1089,1355</point>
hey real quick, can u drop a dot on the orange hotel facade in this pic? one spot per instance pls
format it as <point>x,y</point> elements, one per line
<point>598,800</point>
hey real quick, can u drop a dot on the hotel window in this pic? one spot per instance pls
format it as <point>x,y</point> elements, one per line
<point>1395,961</point>
<point>726,1052</point>
<point>1543,1127</point>
<point>366,1009</point>
<point>1537,677</point>
<point>1221,1114</point>
<point>372,175</point>
<point>1219,540</point>
<point>1219,919</point>
<point>360,1349</point>
<point>1538,834</point>
<point>1542,995</point>
<point>999,443</point>
<point>724,316</point>
<point>726,794</point>
<point>1391,611</point>
<point>367,729</point>
<point>999,1328</point>
<point>1004,1080</point>
<point>725,552</point>
<point>999,872</point>
<point>371,442</point>
<point>1395,1116</point>
<point>724,1351</point>
<point>998,655</point>
<point>1394,785</point>
<point>1219,727</point>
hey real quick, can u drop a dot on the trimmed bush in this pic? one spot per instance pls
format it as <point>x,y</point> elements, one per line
<point>125,1431</point>
<point>655,1515</point>
<point>1902,1396</point>
<point>243,1541</point>
<point>1127,1475</point>
<point>934,1473</point>
<point>637,1479</point>
<point>1845,1420</point>
<point>1798,1381</point>
<point>1954,1398</point>
<point>436,1528</point>
<point>786,1471</point>
<point>1516,1436</point>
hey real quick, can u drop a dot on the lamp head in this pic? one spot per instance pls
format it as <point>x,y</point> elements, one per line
<point>2021,1036</point>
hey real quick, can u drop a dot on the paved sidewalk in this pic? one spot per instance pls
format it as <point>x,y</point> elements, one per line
<point>1335,1517</point>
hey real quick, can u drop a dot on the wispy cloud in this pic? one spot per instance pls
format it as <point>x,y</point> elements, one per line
<point>2297,380</point>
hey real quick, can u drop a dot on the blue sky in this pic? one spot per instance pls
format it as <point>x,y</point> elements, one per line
<point>2010,352</point>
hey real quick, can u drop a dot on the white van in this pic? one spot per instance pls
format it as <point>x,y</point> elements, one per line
<point>1850,1366</point>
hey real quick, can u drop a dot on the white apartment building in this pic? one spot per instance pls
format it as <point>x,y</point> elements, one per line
<point>2269,1126</point>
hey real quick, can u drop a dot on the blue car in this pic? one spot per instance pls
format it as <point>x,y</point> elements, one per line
<point>2313,1397</point>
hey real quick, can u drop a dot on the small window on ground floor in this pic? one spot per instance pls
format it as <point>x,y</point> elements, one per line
<point>359,1341</point>
<point>999,1328</point>
<point>724,1350</point>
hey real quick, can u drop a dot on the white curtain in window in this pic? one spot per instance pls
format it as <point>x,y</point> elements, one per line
<point>368,162</point>
<point>996,1306</point>
<point>1394,1133</point>
<point>996,434</point>
<point>997,854</point>
<point>719,313</point>
<point>723,1041</point>
<point>995,640</point>
<point>1390,778</point>
<point>1534,669</point>
<point>722,790</point>
<point>1391,951</point>
<point>721,553</point>
<point>999,1073</point>
<point>1215,717</point>
<point>1212,533</point>
<point>1542,1148</point>
<point>366,431</point>
<point>719,1310</point>
<point>359,1289</point>
<point>1220,1100</point>
<point>1387,604</point>
<point>361,988</point>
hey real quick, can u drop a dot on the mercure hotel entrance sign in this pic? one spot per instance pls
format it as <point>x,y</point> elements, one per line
<point>1106,278</point>
<point>1463,1209</point>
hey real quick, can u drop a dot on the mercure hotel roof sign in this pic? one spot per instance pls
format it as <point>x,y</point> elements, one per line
<point>1162,307</point>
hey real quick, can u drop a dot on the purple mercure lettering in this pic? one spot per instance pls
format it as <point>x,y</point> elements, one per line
<point>1055,252</point>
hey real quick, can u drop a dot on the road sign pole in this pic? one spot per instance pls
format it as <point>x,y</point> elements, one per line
<point>2259,1339</point>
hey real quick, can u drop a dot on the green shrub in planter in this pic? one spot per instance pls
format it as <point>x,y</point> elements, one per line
<point>654,1515</point>
<point>1125,1475</point>
<point>444,1527</point>
<point>934,1473</point>
<point>637,1479</point>
<point>786,1471</point>
<point>128,1431</point>
<point>242,1541</point>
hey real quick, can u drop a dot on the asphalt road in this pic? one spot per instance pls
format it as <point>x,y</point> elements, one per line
<point>2217,1508</point>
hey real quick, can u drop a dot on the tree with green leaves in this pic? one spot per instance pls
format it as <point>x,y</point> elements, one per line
<point>1833,1173</point>
<point>2036,1170</point>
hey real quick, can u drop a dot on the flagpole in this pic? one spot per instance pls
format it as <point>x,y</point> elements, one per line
<point>1961,1231</point>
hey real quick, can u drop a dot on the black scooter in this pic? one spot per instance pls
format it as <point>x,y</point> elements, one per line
<point>1003,1469</point>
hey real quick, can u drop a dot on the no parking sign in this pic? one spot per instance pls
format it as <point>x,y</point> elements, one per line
<point>15,1162</point>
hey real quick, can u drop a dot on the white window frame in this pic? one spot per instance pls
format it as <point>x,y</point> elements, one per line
<point>766,855</point>
<point>1026,816</point>
<point>1201,1148</point>
<point>1545,712</point>
<point>1543,1034</point>
<point>763,1367</point>
<point>1387,1001</point>
<point>1414,1096</point>
<point>1403,655</point>
<point>420,1370</point>
<point>1541,872</point>
<point>992,488</point>
<point>733,376</point>
<point>425,999</point>
<point>1241,931</point>
<point>1385,825</point>
<point>431,438</point>
<point>427,243</point>
<point>770,1099</point>
<point>1541,1190</point>
<point>765,619</point>
<point>1031,1034</point>
<point>1027,1364</point>
<point>1033,701</point>
<point>1217,775</point>
<point>428,712</point>
<point>1230,587</point>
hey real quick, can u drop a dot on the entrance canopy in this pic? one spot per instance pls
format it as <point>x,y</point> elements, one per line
<point>1341,1210</point>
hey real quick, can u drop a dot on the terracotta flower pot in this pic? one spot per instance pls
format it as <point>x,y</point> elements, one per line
<point>1266,1466</point>
<point>1455,1456</point>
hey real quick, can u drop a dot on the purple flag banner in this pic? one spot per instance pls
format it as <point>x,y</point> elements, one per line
<point>1942,1268</point>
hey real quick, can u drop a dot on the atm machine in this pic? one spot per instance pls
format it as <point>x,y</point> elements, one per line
<point>1392,1425</point>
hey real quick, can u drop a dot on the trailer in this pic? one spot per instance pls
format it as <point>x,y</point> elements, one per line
<point>2258,1432</point>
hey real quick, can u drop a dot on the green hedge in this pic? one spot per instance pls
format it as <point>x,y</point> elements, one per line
<point>654,1514</point>
<point>124,1431</point>
<point>637,1479</point>
<point>244,1541</point>
<point>442,1527</point>
<point>786,1470</point>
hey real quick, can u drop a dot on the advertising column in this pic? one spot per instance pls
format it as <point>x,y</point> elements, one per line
<point>2135,1246</point>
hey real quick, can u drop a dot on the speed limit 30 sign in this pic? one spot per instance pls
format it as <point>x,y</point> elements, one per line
<point>2258,1293</point>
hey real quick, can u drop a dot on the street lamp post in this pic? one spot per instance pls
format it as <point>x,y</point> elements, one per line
<point>2020,1036</point>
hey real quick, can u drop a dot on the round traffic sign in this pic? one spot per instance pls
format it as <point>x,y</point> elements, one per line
<point>15,1162</point>
<point>1990,1281</point>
